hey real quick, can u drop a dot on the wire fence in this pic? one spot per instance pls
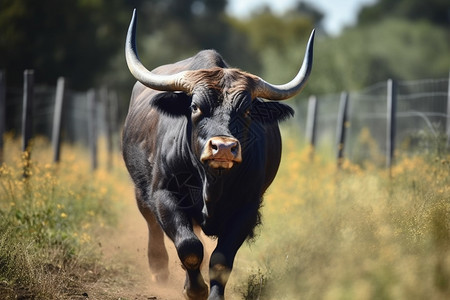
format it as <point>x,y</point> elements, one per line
<point>84,115</point>
<point>421,121</point>
<point>75,113</point>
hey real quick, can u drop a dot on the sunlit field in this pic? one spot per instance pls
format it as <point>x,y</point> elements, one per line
<point>48,216</point>
<point>356,233</point>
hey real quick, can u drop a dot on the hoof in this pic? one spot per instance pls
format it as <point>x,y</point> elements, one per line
<point>196,289</point>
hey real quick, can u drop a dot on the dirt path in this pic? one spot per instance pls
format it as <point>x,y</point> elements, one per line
<point>124,254</point>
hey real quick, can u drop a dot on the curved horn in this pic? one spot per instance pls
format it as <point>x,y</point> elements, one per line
<point>175,82</point>
<point>292,88</point>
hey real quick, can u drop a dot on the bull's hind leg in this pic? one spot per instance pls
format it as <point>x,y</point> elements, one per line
<point>158,258</point>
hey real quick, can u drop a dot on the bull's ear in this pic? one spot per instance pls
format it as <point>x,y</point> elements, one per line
<point>172,103</point>
<point>269,112</point>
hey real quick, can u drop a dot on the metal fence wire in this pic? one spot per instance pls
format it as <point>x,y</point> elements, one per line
<point>421,118</point>
<point>75,124</point>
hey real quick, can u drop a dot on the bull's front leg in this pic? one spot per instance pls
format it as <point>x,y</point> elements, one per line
<point>222,259</point>
<point>178,227</point>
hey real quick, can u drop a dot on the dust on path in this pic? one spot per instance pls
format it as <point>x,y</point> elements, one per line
<point>124,252</point>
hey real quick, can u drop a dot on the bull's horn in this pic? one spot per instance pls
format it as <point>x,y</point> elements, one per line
<point>292,88</point>
<point>175,82</point>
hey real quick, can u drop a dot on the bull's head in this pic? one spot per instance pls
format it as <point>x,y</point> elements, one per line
<point>221,102</point>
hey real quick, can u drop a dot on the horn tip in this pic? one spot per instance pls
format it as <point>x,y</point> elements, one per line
<point>134,15</point>
<point>313,34</point>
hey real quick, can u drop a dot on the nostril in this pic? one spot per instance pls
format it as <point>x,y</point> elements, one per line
<point>222,148</point>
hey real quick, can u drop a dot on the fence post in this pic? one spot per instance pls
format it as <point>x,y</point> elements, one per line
<point>111,121</point>
<point>341,125</point>
<point>391,122</point>
<point>57,117</point>
<point>311,123</point>
<point>2,112</point>
<point>106,105</point>
<point>448,113</point>
<point>27,113</point>
<point>27,119</point>
<point>92,125</point>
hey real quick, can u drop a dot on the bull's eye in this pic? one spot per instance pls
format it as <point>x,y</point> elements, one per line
<point>247,113</point>
<point>194,109</point>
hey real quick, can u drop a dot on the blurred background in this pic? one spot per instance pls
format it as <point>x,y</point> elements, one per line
<point>359,43</point>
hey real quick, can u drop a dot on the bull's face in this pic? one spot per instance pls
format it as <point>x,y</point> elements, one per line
<point>220,117</point>
<point>213,141</point>
<point>224,117</point>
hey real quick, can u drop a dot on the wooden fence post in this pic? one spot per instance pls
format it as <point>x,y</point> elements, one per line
<point>27,119</point>
<point>311,123</point>
<point>106,105</point>
<point>111,121</point>
<point>448,113</point>
<point>57,117</point>
<point>391,122</point>
<point>2,112</point>
<point>27,112</point>
<point>92,125</point>
<point>341,126</point>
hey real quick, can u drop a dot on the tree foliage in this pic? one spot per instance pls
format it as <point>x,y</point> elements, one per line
<point>393,48</point>
<point>83,40</point>
<point>170,30</point>
<point>267,30</point>
<point>432,11</point>
<point>59,38</point>
<point>405,39</point>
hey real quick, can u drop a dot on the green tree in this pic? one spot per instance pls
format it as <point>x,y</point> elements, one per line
<point>182,28</point>
<point>277,43</point>
<point>434,11</point>
<point>267,30</point>
<point>393,48</point>
<point>71,38</point>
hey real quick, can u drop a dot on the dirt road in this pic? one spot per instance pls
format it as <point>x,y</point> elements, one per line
<point>124,255</point>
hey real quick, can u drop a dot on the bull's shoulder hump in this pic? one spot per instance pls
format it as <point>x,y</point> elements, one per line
<point>205,59</point>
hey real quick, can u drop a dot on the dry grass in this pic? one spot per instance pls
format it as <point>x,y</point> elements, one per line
<point>354,233</point>
<point>47,220</point>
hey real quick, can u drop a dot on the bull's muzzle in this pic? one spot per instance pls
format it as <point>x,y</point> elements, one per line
<point>221,152</point>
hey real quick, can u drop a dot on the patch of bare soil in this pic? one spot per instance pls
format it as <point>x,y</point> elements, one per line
<point>127,275</point>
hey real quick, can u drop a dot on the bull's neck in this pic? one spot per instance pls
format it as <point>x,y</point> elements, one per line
<point>212,191</point>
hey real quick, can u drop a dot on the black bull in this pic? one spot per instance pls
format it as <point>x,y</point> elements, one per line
<point>202,148</point>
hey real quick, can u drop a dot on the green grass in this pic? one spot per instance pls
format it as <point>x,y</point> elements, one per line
<point>356,233</point>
